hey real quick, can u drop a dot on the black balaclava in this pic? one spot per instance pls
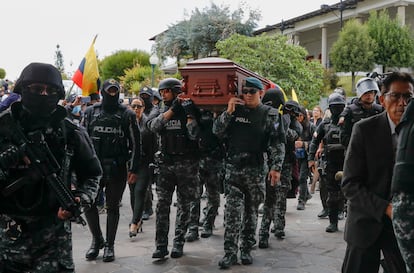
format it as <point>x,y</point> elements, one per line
<point>110,103</point>
<point>147,99</point>
<point>40,108</point>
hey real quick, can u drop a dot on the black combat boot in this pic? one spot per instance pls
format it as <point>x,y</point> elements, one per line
<point>227,261</point>
<point>263,241</point>
<point>207,231</point>
<point>93,251</point>
<point>160,252</point>
<point>191,236</point>
<point>245,257</point>
<point>333,220</point>
<point>109,253</point>
<point>98,242</point>
<point>177,251</point>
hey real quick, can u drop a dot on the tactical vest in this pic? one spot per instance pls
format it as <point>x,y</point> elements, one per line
<point>359,113</point>
<point>208,142</point>
<point>174,137</point>
<point>107,132</point>
<point>333,149</point>
<point>247,130</point>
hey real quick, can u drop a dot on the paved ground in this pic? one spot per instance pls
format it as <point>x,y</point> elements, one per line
<point>307,248</point>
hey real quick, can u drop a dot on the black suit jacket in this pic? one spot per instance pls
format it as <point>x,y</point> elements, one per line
<point>367,178</point>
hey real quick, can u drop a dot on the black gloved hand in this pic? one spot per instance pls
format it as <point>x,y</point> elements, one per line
<point>176,106</point>
<point>189,108</point>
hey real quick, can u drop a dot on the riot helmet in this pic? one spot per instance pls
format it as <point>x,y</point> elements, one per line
<point>291,107</point>
<point>40,86</point>
<point>340,91</point>
<point>110,94</point>
<point>170,83</point>
<point>273,97</point>
<point>365,85</point>
<point>336,103</point>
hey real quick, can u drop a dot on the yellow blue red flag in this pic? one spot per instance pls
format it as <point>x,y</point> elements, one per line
<point>87,74</point>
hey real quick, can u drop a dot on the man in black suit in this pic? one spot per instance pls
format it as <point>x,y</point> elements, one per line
<point>368,170</point>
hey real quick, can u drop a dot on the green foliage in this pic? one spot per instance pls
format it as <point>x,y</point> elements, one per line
<point>114,65</point>
<point>2,73</point>
<point>197,37</point>
<point>330,80</point>
<point>275,59</point>
<point>137,77</point>
<point>354,49</point>
<point>395,42</point>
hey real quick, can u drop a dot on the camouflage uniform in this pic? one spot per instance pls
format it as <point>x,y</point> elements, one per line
<point>32,237</point>
<point>402,215</point>
<point>403,190</point>
<point>178,162</point>
<point>275,204</point>
<point>210,173</point>
<point>244,178</point>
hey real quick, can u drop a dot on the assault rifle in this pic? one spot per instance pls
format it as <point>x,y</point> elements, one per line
<point>43,165</point>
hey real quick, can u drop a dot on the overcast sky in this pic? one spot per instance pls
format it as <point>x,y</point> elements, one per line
<point>32,28</point>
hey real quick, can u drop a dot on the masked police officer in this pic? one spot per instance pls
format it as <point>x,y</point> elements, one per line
<point>177,132</point>
<point>328,133</point>
<point>115,135</point>
<point>39,151</point>
<point>250,130</point>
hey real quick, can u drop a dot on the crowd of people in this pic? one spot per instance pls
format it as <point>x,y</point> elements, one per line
<point>251,152</point>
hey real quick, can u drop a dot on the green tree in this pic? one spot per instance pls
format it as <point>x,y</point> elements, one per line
<point>2,73</point>
<point>114,66</point>
<point>197,37</point>
<point>395,42</point>
<point>275,59</point>
<point>354,49</point>
<point>59,60</point>
<point>139,76</point>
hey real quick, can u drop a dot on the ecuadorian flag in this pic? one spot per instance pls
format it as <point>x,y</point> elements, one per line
<point>87,75</point>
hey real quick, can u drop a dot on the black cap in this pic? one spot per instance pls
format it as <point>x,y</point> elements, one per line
<point>146,90</point>
<point>110,83</point>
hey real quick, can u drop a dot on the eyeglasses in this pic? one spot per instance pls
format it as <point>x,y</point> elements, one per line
<point>395,97</point>
<point>250,91</point>
<point>135,106</point>
<point>42,89</point>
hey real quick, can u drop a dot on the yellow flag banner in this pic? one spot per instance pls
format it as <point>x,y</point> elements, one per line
<point>294,96</point>
<point>87,74</point>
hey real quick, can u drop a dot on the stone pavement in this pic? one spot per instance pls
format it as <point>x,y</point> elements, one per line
<point>307,248</point>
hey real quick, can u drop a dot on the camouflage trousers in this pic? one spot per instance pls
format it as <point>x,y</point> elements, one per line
<point>403,223</point>
<point>244,191</point>
<point>274,208</point>
<point>210,174</point>
<point>176,175</point>
<point>41,246</point>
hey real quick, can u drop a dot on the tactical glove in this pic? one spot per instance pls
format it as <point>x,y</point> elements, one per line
<point>189,108</point>
<point>176,106</point>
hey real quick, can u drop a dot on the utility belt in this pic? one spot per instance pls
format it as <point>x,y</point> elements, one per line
<point>246,159</point>
<point>110,166</point>
<point>161,158</point>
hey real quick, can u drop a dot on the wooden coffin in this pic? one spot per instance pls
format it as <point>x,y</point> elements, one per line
<point>210,82</point>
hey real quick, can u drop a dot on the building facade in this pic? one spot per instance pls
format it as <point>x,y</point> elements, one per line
<point>317,31</point>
